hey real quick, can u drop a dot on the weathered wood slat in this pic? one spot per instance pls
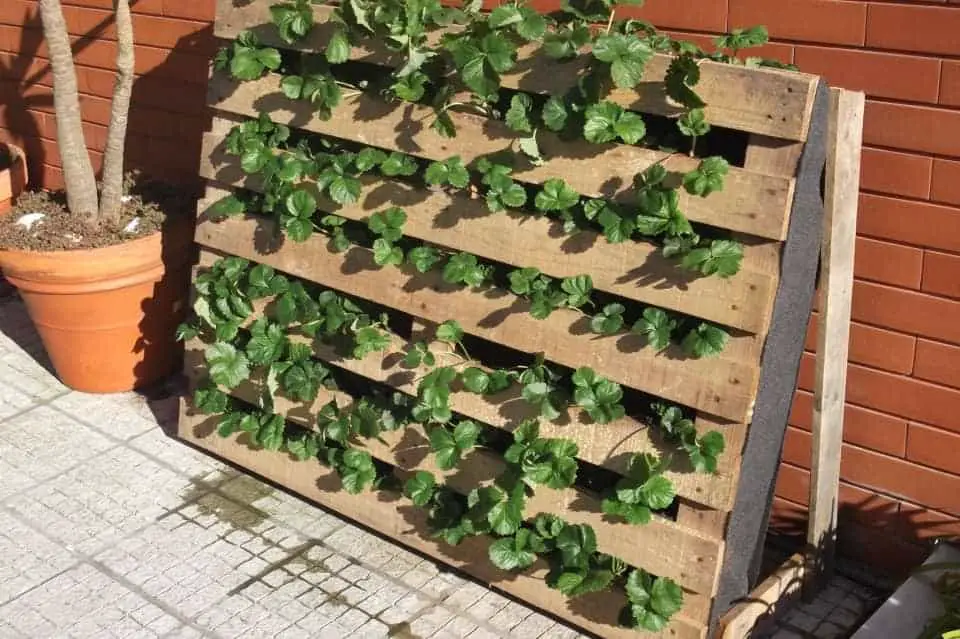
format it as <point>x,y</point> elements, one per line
<point>690,559</point>
<point>606,445</point>
<point>636,271</point>
<point>764,101</point>
<point>717,386</point>
<point>406,524</point>
<point>751,203</point>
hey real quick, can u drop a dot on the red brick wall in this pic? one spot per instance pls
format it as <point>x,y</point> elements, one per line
<point>901,460</point>
<point>173,44</point>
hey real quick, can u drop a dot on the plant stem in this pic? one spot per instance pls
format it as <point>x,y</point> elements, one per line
<point>111,197</point>
<point>610,21</point>
<point>78,176</point>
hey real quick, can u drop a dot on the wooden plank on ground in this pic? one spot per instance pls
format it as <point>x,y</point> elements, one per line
<point>633,270</point>
<point>405,523</point>
<point>764,601</point>
<point>750,203</point>
<point>845,139</point>
<point>765,101</point>
<point>608,446</point>
<point>715,385</point>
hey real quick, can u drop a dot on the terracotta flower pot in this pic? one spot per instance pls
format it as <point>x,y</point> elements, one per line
<point>108,316</point>
<point>13,179</point>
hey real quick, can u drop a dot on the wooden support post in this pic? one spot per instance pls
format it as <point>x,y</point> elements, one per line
<point>836,290</point>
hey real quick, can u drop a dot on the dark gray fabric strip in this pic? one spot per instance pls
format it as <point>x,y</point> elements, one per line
<point>780,366</point>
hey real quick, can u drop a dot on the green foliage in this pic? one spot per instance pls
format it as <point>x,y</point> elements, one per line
<point>246,59</point>
<point>518,116</point>
<point>608,121</point>
<point>598,396</point>
<point>707,178</point>
<point>652,601</point>
<point>450,171</point>
<point>550,462</point>
<point>609,320</point>
<point>703,451</point>
<point>627,56</point>
<point>705,340</point>
<point>656,326</point>
<point>556,195</point>
<point>642,490</point>
<point>502,192</point>
<point>227,366</point>
<point>357,471</point>
<point>420,488</point>
<point>743,39</point>
<point>292,19</point>
<point>515,553</point>
<point>721,257</point>
<point>449,446</point>
<point>465,268</point>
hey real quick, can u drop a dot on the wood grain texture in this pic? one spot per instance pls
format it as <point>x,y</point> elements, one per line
<point>764,101</point>
<point>768,599</point>
<point>845,137</point>
<point>606,445</point>
<point>405,523</point>
<point>633,270</point>
<point>751,203</point>
<point>715,385</point>
<point>662,546</point>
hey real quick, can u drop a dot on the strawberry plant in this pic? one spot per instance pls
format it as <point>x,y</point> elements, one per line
<point>450,59</point>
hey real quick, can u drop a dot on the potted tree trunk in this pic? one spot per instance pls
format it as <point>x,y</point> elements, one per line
<point>103,272</point>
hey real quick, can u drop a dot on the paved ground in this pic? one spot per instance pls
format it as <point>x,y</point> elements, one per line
<point>110,528</point>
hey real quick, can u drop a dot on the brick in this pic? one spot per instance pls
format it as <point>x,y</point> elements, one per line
<point>773,50</point>
<point>881,75</point>
<point>911,127</point>
<point>895,173</point>
<point>895,394</point>
<point>906,311</point>
<point>140,6</point>
<point>938,362</point>
<point>872,346</point>
<point>788,518</point>
<point>945,181</point>
<point>950,83</point>
<point>888,263</point>
<point>934,447</point>
<point>796,447</point>
<point>861,426</point>
<point>807,20</point>
<point>692,15</point>
<point>793,483</point>
<point>854,504</point>
<point>900,478</point>
<point>919,223</point>
<point>941,274</point>
<point>879,549</point>
<point>922,524</point>
<point>202,10</point>
<point>913,28</point>
<point>187,63</point>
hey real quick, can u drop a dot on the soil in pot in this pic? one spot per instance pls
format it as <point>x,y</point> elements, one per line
<point>106,300</point>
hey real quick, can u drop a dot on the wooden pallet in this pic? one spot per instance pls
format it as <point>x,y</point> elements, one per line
<point>772,107</point>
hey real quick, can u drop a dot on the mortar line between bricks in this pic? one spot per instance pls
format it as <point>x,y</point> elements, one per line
<point>83,558</point>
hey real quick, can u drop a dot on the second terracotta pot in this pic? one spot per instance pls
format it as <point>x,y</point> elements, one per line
<point>108,316</point>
